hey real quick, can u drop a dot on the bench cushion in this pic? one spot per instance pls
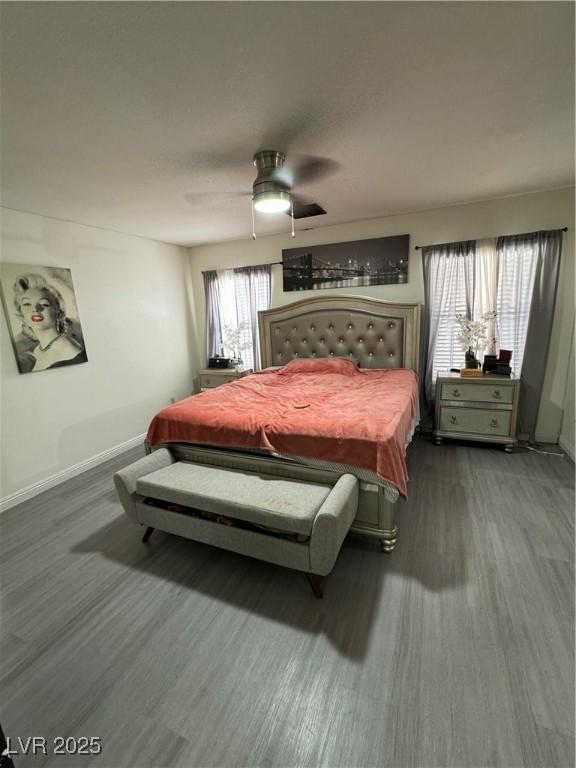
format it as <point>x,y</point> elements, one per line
<point>274,502</point>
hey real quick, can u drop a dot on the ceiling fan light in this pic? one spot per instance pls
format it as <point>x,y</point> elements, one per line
<point>272,202</point>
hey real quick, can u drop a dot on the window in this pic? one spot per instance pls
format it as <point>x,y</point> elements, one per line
<point>516,277</point>
<point>487,276</point>
<point>233,299</point>
<point>516,273</point>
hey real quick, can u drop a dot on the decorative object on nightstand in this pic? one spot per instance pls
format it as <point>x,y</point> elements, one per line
<point>233,342</point>
<point>482,408</point>
<point>498,365</point>
<point>473,337</point>
<point>213,377</point>
<point>489,364</point>
<point>503,363</point>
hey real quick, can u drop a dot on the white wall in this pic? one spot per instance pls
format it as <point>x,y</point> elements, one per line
<point>526,213</point>
<point>134,310</point>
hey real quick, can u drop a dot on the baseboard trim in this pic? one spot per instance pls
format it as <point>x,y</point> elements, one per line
<point>567,448</point>
<point>60,477</point>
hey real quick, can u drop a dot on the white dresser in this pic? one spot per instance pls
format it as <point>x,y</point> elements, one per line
<point>213,377</point>
<point>482,409</point>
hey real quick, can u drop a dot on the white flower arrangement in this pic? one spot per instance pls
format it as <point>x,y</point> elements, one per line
<point>232,339</point>
<point>473,334</point>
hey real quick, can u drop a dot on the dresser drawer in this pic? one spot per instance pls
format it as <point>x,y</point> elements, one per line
<point>475,421</point>
<point>480,393</point>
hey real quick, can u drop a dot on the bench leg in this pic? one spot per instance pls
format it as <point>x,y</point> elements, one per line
<point>149,532</point>
<point>315,582</point>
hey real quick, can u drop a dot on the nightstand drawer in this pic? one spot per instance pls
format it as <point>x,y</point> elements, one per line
<point>483,393</point>
<point>475,420</point>
<point>209,381</point>
<point>210,378</point>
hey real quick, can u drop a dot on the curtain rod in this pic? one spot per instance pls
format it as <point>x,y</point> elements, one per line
<point>267,264</point>
<point>419,247</point>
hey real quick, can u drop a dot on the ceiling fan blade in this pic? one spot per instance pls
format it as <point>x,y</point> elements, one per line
<point>305,169</point>
<point>300,199</point>
<point>214,198</point>
<point>304,208</point>
<point>225,161</point>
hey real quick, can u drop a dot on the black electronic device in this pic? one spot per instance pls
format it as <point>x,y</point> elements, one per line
<point>220,362</point>
<point>490,363</point>
<point>503,369</point>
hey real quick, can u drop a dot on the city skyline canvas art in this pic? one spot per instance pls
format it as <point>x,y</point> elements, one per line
<point>378,261</point>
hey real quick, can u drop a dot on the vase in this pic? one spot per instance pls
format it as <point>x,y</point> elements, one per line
<point>470,359</point>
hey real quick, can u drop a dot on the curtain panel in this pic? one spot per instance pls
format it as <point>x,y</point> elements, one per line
<point>486,288</point>
<point>213,322</point>
<point>448,291</point>
<point>535,257</point>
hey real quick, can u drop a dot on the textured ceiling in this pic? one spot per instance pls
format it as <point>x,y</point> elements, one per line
<point>143,117</point>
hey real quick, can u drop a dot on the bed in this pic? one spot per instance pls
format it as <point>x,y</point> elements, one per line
<point>363,409</point>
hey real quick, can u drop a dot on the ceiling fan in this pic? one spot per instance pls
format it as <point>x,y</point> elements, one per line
<point>274,177</point>
<point>272,190</point>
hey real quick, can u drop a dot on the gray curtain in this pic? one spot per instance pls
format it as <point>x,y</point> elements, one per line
<point>448,291</point>
<point>547,248</point>
<point>213,321</point>
<point>254,285</point>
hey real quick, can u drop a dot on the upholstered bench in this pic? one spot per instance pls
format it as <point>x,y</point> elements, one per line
<point>290,522</point>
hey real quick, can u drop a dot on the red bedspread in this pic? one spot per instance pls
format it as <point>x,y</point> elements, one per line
<point>361,418</point>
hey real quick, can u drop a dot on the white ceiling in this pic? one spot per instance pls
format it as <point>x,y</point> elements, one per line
<point>143,117</point>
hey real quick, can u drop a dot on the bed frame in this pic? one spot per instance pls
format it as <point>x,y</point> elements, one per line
<point>376,333</point>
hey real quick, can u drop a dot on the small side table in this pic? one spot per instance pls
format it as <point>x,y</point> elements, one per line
<point>214,377</point>
<point>483,409</point>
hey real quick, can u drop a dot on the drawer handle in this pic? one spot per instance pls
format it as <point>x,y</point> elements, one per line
<point>497,395</point>
<point>494,423</point>
<point>453,420</point>
<point>455,393</point>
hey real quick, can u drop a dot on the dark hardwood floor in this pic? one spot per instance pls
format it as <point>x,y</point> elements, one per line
<point>456,650</point>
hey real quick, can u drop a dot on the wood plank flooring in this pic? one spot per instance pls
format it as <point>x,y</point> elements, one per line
<point>456,650</point>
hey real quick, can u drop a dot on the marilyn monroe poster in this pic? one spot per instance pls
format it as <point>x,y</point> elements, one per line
<point>42,316</point>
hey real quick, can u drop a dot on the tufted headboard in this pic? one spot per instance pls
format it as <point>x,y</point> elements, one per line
<point>377,334</point>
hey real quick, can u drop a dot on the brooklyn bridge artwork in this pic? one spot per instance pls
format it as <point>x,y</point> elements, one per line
<point>379,261</point>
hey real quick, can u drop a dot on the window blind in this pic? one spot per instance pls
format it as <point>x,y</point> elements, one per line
<point>449,278</point>
<point>516,272</point>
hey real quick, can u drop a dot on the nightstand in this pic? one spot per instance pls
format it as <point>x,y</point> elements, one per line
<point>483,409</point>
<point>212,377</point>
